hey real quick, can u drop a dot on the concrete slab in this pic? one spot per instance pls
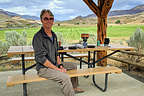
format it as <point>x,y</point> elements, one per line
<point>118,85</point>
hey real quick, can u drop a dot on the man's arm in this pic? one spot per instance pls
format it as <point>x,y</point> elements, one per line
<point>58,60</point>
<point>61,67</point>
<point>40,54</point>
<point>50,65</point>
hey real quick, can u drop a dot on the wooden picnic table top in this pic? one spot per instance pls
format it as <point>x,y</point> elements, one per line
<point>15,50</point>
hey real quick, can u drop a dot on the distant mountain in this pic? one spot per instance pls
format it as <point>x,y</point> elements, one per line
<point>131,16</point>
<point>30,17</point>
<point>13,20</point>
<point>137,9</point>
<point>12,14</point>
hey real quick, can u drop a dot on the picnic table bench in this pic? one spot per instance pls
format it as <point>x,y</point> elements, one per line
<point>18,59</point>
<point>27,78</point>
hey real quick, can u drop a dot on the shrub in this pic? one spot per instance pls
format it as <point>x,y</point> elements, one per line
<point>3,47</point>
<point>118,22</point>
<point>77,23</point>
<point>12,38</point>
<point>137,40</point>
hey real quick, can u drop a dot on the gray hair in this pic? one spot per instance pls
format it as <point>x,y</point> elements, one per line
<point>44,11</point>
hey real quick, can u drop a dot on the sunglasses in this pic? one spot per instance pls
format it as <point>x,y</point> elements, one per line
<point>46,19</point>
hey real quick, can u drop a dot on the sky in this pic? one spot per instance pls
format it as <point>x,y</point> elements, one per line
<point>62,9</point>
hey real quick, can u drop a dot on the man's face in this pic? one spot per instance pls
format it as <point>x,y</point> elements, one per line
<point>47,20</point>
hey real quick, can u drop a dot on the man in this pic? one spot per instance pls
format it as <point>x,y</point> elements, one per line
<point>47,58</point>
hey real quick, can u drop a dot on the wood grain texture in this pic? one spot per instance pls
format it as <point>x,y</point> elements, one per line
<point>19,79</point>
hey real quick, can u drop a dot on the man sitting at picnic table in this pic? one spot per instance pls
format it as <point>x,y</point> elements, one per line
<point>47,59</point>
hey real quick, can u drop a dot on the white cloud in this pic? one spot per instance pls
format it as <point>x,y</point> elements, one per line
<point>58,1</point>
<point>72,17</point>
<point>22,10</point>
<point>55,6</point>
<point>64,11</point>
<point>5,1</point>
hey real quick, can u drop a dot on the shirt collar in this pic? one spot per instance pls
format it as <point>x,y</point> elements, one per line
<point>44,34</point>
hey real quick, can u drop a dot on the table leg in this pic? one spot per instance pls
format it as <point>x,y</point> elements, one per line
<point>80,63</point>
<point>23,72</point>
<point>62,57</point>
<point>89,65</point>
<point>106,75</point>
<point>94,53</point>
<point>106,82</point>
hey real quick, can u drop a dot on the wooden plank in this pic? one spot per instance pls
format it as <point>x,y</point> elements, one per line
<point>127,61</point>
<point>120,47</point>
<point>19,79</point>
<point>91,71</point>
<point>13,50</point>
<point>77,55</point>
<point>17,59</point>
<point>27,49</point>
<point>84,50</point>
<point>132,53</point>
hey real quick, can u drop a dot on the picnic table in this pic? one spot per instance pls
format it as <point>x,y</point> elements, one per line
<point>23,50</point>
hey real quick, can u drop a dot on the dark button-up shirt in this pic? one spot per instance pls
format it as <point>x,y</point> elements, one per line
<point>45,48</point>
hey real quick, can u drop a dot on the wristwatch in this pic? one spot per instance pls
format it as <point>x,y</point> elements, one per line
<point>60,65</point>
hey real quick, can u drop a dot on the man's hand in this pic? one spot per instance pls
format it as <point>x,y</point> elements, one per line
<point>62,69</point>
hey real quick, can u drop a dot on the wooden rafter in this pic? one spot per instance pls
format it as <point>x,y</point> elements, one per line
<point>93,7</point>
<point>100,4</point>
<point>106,7</point>
<point>103,7</point>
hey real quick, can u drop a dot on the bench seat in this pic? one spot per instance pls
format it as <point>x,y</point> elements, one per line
<point>18,59</point>
<point>20,79</point>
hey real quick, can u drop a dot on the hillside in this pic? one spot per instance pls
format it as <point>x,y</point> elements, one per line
<point>9,22</point>
<point>135,10</point>
<point>9,19</point>
<point>132,16</point>
<point>12,14</point>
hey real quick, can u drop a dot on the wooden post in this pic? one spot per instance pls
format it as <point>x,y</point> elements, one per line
<point>101,11</point>
<point>101,34</point>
